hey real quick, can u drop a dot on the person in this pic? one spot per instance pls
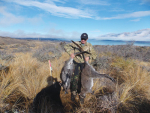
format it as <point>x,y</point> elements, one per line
<point>78,61</point>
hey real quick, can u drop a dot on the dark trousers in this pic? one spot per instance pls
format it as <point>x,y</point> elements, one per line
<point>76,78</point>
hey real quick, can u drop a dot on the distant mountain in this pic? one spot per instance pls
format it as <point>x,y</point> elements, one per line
<point>121,41</point>
<point>8,40</point>
<point>140,35</point>
<point>95,41</point>
<point>46,39</point>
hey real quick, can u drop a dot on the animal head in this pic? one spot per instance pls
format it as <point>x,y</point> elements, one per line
<point>69,62</point>
<point>66,83</point>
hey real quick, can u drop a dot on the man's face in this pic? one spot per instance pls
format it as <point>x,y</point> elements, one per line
<point>83,41</point>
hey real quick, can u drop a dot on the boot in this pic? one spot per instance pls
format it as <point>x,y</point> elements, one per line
<point>73,95</point>
<point>82,99</point>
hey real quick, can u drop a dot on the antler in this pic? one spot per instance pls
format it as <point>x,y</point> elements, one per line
<point>78,53</point>
<point>77,45</point>
<point>80,49</point>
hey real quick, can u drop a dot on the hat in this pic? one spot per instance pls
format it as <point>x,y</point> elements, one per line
<point>84,36</point>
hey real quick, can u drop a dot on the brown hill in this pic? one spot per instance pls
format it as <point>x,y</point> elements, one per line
<point>8,40</point>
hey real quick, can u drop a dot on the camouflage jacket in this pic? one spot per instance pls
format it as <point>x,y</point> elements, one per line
<point>72,48</point>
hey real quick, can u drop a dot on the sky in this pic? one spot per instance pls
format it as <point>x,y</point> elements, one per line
<point>68,19</point>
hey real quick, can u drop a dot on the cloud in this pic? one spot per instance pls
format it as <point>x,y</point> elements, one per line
<point>8,18</point>
<point>51,33</point>
<point>70,12</point>
<point>52,8</point>
<point>94,2</point>
<point>141,1</point>
<point>129,15</point>
<point>22,34</point>
<point>140,35</point>
<point>117,10</point>
<point>145,1</point>
<point>35,20</point>
<point>136,20</point>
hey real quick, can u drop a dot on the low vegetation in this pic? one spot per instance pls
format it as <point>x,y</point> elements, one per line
<point>29,73</point>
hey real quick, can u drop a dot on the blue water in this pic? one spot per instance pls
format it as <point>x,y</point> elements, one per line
<point>119,42</point>
<point>97,42</point>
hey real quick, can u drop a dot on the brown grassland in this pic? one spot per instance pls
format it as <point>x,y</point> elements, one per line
<point>28,75</point>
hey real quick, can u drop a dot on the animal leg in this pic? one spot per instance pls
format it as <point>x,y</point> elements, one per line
<point>91,82</point>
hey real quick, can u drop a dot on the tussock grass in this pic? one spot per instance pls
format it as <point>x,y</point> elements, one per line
<point>57,65</point>
<point>134,82</point>
<point>132,89</point>
<point>27,76</point>
<point>132,74</point>
<point>8,85</point>
<point>27,69</point>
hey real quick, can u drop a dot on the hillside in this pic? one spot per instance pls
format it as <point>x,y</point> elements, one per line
<point>29,73</point>
<point>8,40</point>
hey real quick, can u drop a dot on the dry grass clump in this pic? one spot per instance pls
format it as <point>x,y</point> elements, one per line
<point>26,77</point>
<point>30,78</point>
<point>131,94</point>
<point>131,73</point>
<point>8,85</point>
<point>133,82</point>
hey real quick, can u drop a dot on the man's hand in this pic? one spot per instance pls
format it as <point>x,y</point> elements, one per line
<point>87,59</point>
<point>72,55</point>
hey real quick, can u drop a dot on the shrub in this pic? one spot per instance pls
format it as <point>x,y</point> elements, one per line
<point>125,51</point>
<point>102,63</point>
<point>6,56</point>
<point>47,52</point>
<point>23,49</point>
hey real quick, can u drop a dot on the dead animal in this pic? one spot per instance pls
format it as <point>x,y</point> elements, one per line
<point>87,76</point>
<point>67,72</point>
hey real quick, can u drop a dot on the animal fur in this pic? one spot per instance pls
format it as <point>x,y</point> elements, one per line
<point>87,76</point>
<point>48,100</point>
<point>67,72</point>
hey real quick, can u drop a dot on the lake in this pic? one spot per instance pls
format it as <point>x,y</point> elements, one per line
<point>118,42</point>
<point>97,42</point>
